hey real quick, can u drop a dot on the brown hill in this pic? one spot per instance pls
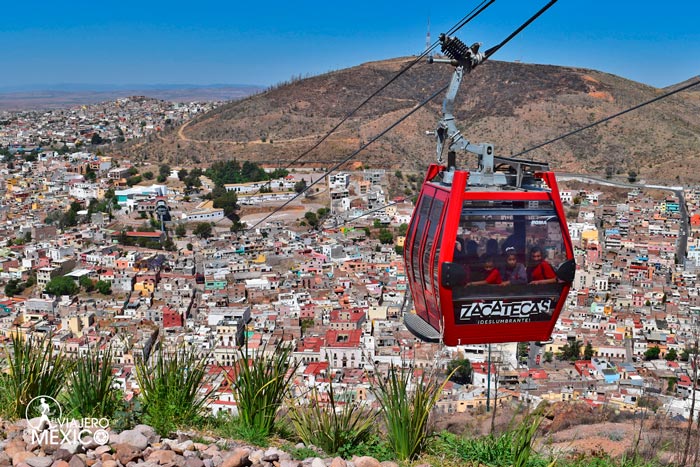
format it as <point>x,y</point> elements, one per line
<point>512,105</point>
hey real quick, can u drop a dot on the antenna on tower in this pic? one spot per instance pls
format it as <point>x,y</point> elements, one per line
<point>427,40</point>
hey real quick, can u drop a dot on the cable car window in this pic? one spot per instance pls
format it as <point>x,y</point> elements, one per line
<point>422,212</point>
<point>435,215</point>
<point>516,245</point>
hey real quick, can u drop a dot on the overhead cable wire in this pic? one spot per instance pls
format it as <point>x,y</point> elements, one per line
<point>495,48</point>
<point>467,18</point>
<point>608,118</point>
<point>363,147</point>
<point>386,130</point>
<point>364,214</point>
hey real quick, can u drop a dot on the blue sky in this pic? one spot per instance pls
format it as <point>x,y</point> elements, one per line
<point>263,43</point>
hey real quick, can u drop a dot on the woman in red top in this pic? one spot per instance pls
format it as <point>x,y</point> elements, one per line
<point>540,271</point>
<point>493,276</point>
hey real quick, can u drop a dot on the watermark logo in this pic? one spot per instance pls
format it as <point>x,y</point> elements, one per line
<point>50,426</point>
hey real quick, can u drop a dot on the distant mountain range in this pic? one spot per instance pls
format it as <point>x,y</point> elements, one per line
<point>38,97</point>
<point>515,106</point>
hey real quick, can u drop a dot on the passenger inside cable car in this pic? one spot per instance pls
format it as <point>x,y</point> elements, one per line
<point>515,227</point>
<point>514,272</point>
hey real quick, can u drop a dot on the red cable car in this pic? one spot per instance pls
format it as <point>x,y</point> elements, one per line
<point>488,253</point>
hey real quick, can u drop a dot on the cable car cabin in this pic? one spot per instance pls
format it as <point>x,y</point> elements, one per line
<point>487,263</point>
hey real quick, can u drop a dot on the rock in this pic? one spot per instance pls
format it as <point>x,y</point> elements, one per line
<point>126,453</point>
<point>110,463</point>
<point>208,463</point>
<point>217,459</point>
<point>62,455</point>
<point>394,464</point>
<point>21,457</point>
<point>211,449</point>
<point>274,457</point>
<point>39,461</point>
<point>256,456</point>
<point>365,461</point>
<point>76,461</point>
<point>60,463</point>
<point>145,430</point>
<point>14,446</point>
<point>317,462</point>
<point>240,457</point>
<point>134,438</point>
<point>193,462</point>
<point>99,450</point>
<point>72,448</point>
<point>290,463</point>
<point>163,457</point>
<point>186,445</point>
<point>338,462</point>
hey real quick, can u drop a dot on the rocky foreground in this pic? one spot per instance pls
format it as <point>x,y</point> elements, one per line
<point>21,446</point>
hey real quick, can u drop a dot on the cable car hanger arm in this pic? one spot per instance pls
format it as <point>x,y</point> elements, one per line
<point>465,59</point>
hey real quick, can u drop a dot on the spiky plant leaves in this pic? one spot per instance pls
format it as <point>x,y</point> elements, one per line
<point>91,388</point>
<point>172,388</point>
<point>331,426</point>
<point>406,403</point>
<point>260,386</point>
<point>34,369</point>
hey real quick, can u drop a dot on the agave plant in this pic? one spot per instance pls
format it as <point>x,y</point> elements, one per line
<point>260,387</point>
<point>91,390</point>
<point>406,403</point>
<point>172,388</point>
<point>34,369</point>
<point>333,426</point>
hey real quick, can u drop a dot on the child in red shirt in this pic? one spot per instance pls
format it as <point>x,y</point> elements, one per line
<point>493,276</point>
<point>540,271</point>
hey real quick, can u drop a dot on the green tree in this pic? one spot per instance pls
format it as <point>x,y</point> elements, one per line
<point>13,287</point>
<point>181,230</point>
<point>385,236</point>
<point>300,186</point>
<point>104,287</point>
<point>588,351</point>
<point>671,355</point>
<point>61,285</point>
<point>522,350</point>
<point>203,230</point>
<point>228,201</point>
<point>135,180</point>
<point>652,353</point>
<point>164,171</point>
<point>403,228</point>
<point>571,351</point>
<point>461,370</point>
<point>148,175</point>
<point>311,218</point>
<point>86,283</point>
